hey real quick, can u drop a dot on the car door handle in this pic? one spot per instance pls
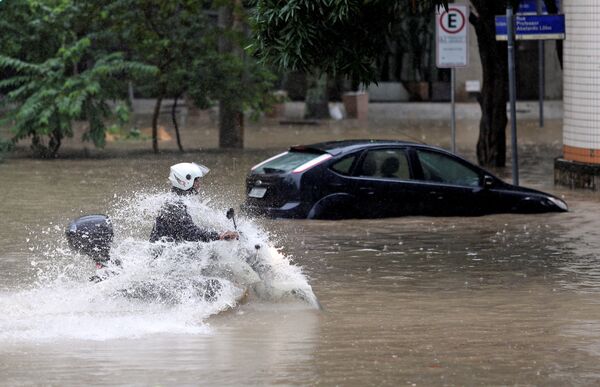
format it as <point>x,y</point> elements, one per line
<point>368,190</point>
<point>437,195</point>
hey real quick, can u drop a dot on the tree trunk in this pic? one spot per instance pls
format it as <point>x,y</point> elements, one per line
<point>174,118</point>
<point>155,123</point>
<point>317,99</point>
<point>55,142</point>
<point>231,126</point>
<point>231,118</point>
<point>491,145</point>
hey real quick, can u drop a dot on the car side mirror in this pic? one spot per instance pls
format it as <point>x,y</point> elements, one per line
<point>488,182</point>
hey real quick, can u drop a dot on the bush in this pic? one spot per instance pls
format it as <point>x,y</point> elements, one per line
<point>5,147</point>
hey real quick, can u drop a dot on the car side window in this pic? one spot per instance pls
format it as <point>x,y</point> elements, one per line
<point>443,169</point>
<point>385,163</point>
<point>344,165</point>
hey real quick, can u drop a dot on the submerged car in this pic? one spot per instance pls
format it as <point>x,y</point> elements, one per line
<point>377,178</point>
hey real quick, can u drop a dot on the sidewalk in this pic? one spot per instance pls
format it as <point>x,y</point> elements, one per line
<point>420,122</point>
<point>394,111</point>
<point>413,111</point>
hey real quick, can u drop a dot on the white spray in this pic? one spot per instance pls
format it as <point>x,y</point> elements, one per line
<point>156,287</point>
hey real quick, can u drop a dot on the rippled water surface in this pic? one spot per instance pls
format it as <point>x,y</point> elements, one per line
<point>503,299</point>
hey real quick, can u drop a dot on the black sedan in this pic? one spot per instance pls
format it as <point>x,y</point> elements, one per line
<point>376,178</point>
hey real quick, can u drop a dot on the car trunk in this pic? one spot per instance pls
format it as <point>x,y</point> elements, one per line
<point>278,190</point>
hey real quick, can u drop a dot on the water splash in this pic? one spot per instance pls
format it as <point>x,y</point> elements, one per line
<point>149,288</point>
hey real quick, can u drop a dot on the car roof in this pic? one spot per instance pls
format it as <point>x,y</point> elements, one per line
<point>345,146</point>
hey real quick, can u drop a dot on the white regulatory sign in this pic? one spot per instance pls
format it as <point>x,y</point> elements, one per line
<point>452,37</point>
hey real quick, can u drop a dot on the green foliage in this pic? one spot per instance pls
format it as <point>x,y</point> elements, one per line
<point>60,63</point>
<point>44,99</point>
<point>242,81</point>
<point>135,134</point>
<point>336,37</point>
<point>166,34</point>
<point>413,34</point>
<point>182,42</point>
<point>122,115</point>
<point>29,30</point>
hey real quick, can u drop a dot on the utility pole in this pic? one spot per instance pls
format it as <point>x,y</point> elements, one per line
<point>541,70</point>
<point>512,89</point>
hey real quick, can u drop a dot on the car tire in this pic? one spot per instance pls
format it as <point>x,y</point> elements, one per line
<point>333,208</point>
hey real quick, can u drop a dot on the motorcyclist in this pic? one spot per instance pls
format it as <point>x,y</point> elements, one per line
<point>174,222</point>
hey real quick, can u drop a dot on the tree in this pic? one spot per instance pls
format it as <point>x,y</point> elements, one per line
<point>334,37</point>
<point>233,77</point>
<point>57,53</point>
<point>166,34</point>
<point>66,80</point>
<point>345,37</point>
<point>193,54</point>
<point>22,37</point>
<point>241,82</point>
<point>46,98</point>
<point>231,114</point>
<point>491,145</point>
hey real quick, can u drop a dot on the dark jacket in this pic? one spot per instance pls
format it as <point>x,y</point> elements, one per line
<point>174,224</point>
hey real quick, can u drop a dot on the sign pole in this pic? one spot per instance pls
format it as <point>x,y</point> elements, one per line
<point>541,70</point>
<point>453,99</point>
<point>512,88</point>
<point>526,27</point>
<point>452,50</point>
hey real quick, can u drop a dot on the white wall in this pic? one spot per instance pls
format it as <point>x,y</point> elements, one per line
<point>473,70</point>
<point>581,124</point>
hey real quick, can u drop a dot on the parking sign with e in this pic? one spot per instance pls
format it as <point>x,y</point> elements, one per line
<point>452,38</point>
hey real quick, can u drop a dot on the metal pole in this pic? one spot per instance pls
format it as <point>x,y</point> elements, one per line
<point>512,89</point>
<point>453,99</point>
<point>541,71</point>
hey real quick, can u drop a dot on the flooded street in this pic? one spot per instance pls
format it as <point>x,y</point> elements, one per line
<point>493,300</point>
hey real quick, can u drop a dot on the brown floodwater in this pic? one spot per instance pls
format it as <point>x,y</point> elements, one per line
<point>493,300</point>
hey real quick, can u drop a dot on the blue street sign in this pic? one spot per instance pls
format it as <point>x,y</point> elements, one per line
<point>533,27</point>
<point>530,7</point>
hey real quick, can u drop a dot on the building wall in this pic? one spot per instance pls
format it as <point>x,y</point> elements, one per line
<point>581,123</point>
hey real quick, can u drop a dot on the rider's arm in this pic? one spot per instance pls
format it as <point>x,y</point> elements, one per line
<point>188,231</point>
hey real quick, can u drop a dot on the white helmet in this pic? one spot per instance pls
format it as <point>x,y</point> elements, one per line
<point>182,175</point>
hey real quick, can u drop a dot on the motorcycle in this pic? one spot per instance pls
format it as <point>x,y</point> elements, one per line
<point>252,269</point>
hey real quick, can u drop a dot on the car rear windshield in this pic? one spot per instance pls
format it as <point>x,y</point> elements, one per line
<point>286,162</point>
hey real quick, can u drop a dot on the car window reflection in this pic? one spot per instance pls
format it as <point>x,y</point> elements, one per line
<point>344,165</point>
<point>286,162</point>
<point>440,168</point>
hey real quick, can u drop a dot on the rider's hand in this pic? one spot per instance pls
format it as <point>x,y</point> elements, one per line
<point>229,235</point>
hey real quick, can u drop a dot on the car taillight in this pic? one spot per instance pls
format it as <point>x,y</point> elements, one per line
<point>308,165</point>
